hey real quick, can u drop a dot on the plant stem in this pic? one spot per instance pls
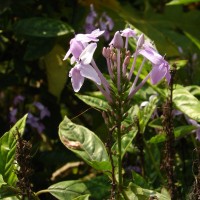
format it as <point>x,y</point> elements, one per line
<point>119,155</point>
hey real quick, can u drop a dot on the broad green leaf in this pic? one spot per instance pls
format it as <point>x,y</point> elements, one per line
<point>42,27</point>
<point>7,152</point>
<point>82,197</point>
<point>187,103</point>
<point>145,194</point>
<point>77,190</point>
<point>38,47</point>
<point>177,2</point>
<point>180,131</point>
<point>94,101</point>
<point>194,89</point>
<point>68,190</point>
<point>56,70</point>
<point>85,144</point>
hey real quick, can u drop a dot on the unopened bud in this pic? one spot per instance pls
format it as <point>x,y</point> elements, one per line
<point>106,52</point>
<point>118,41</point>
<point>140,41</point>
<point>127,60</point>
<point>128,53</point>
<point>114,57</point>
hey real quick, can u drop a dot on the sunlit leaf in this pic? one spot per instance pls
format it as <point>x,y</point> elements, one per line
<point>42,27</point>
<point>94,101</point>
<point>56,70</point>
<point>145,194</point>
<point>186,103</point>
<point>82,197</point>
<point>177,2</point>
<point>68,190</point>
<point>85,144</point>
<point>7,152</point>
<point>180,131</point>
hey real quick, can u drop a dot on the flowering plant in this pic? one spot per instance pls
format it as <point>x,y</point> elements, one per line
<point>118,90</point>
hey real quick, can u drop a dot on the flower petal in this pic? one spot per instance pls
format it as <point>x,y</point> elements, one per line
<point>89,72</point>
<point>157,73</point>
<point>87,54</point>
<point>151,55</point>
<point>76,78</point>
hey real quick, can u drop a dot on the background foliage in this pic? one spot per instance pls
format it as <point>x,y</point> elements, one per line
<point>34,37</point>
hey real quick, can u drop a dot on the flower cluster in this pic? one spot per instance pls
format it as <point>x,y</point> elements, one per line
<point>118,57</point>
<point>104,22</point>
<point>35,116</point>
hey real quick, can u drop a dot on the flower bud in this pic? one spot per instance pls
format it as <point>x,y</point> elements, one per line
<point>140,41</point>
<point>117,41</point>
<point>127,60</point>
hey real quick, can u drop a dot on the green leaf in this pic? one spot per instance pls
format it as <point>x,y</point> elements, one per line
<point>7,152</point>
<point>38,47</point>
<point>6,190</point>
<point>125,141</point>
<point>145,194</point>
<point>100,184</point>
<point>42,27</point>
<point>177,2</point>
<point>94,101</point>
<point>194,89</point>
<point>187,103</point>
<point>180,131</point>
<point>85,144</point>
<point>139,180</point>
<point>77,190</point>
<point>56,70</point>
<point>82,197</point>
<point>146,112</point>
<point>156,123</point>
<point>68,190</point>
<point>193,39</point>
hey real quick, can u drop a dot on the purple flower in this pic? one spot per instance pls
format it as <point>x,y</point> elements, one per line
<point>160,65</point>
<point>91,16</point>
<point>44,112</point>
<point>78,44</point>
<point>34,122</point>
<point>76,48</point>
<point>104,22</point>
<point>18,99</point>
<point>90,37</point>
<point>194,123</point>
<point>83,69</point>
<point>117,41</point>
<point>13,114</point>
<point>128,32</point>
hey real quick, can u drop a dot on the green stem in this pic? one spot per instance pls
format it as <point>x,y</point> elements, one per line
<point>119,155</point>
<point>41,192</point>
